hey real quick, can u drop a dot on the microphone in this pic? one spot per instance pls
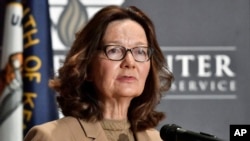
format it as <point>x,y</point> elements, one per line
<point>174,132</point>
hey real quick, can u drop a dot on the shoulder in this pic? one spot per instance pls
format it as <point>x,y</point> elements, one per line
<point>149,135</point>
<point>66,128</point>
<point>154,134</point>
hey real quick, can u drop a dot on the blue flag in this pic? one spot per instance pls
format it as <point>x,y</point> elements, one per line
<point>39,100</point>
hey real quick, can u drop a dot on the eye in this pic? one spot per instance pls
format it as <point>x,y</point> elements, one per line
<point>113,50</point>
<point>140,51</point>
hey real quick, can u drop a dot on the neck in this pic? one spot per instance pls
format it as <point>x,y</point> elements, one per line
<point>116,109</point>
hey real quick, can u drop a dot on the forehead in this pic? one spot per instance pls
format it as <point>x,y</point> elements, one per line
<point>125,31</point>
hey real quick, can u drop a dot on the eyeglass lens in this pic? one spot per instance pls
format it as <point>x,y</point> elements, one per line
<point>117,53</point>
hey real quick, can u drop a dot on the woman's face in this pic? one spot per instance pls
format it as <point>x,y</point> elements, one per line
<point>124,78</point>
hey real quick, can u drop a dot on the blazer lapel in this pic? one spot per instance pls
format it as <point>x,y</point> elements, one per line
<point>93,130</point>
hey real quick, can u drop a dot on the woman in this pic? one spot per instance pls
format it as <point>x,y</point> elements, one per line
<point>111,81</point>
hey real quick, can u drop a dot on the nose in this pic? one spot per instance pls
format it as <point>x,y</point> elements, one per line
<point>128,61</point>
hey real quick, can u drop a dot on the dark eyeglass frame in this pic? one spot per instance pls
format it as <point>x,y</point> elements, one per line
<point>149,52</point>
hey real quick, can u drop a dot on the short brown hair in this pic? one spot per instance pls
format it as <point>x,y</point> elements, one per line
<point>77,96</point>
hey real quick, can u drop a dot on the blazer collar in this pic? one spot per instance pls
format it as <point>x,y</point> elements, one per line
<point>95,131</point>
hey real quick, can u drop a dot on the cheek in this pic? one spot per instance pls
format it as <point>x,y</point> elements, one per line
<point>104,72</point>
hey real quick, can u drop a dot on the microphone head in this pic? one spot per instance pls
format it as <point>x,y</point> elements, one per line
<point>168,132</point>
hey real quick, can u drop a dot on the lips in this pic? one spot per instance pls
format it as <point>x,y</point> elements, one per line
<point>127,79</point>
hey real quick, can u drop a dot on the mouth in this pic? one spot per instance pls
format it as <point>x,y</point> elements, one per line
<point>127,79</point>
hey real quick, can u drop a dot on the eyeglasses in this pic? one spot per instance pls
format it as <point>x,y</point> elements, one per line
<point>117,52</point>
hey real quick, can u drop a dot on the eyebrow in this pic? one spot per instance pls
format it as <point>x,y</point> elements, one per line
<point>119,43</point>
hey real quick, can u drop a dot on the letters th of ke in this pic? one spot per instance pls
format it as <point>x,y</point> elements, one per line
<point>31,73</point>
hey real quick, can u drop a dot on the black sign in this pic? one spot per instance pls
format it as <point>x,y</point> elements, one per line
<point>239,132</point>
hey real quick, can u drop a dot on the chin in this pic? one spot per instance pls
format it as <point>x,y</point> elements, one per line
<point>132,95</point>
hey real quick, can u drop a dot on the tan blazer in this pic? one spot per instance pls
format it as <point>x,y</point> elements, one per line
<point>69,129</point>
